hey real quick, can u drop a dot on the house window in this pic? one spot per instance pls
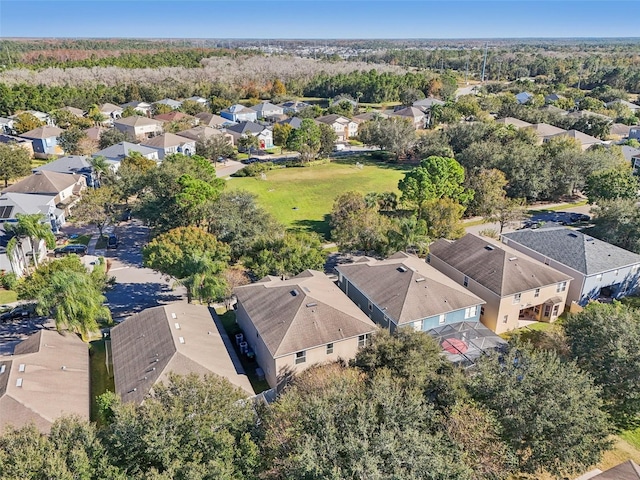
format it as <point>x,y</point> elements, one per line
<point>428,258</point>
<point>505,319</point>
<point>329,348</point>
<point>370,307</point>
<point>562,286</point>
<point>470,312</point>
<point>417,326</point>
<point>516,298</point>
<point>465,282</point>
<point>482,311</point>
<point>547,310</point>
<point>536,294</point>
<point>363,340</point>
<point>441,319</point>
<point>301,357</point>
<point>555,310</point>
<point>635,269</point>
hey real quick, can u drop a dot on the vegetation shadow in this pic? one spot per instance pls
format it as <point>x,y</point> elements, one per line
<point>321,227</point>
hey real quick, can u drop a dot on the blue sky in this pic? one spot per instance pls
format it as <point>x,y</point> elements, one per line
<point>270,19</point>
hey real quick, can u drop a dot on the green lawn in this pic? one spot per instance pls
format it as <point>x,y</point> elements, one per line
<point>101,374</point>
<point>7,296</point>
<point>303,197</point>
<point>81,239</point>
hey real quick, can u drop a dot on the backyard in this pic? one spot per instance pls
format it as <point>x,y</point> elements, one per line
<point>303,197</point>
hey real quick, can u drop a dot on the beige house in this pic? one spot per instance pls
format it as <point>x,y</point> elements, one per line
<point>344,127</point>
<point>181,338</point>
<point>514,286</point>
<point>212,120</point>
<point>417,117</point>
<point>65,187</point>
<point>45,378</point>
<point>293,324</point>
<point>544,130</point>
<point>169,143</point>
<point>585,141</point>
<point>515,122</point>
<point>203,132</point>
<point>139,127</point>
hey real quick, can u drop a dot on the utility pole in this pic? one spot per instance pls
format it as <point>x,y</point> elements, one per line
<point>466,73</point>
<point>484,62</point>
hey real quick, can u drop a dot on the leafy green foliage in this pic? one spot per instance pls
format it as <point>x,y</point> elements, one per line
<point>305,140</point>
<point>26,122</point>
<point>214,147</point>
<point>70,139</point>
<point>617,222</point>
<point>15,162</point>
<point>393,134</point>
<point>612,184</point>
<point>97,207</point>
<point>34,227</point>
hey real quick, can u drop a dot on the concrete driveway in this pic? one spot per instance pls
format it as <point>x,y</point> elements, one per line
<point>136,287</point>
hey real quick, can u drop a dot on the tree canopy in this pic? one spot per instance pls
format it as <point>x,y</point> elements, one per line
<point>15,162</point>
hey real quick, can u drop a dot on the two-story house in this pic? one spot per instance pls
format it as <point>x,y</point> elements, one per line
<point>599,269</point>
<point>44,141</point>
<point>139,127</point>
<point>344,127</point>
<point>169,143</point>
<point>264,134</point>
<point>118,152</point>
<point>64,187</point>
<point>514,286</point>
<point>239,113</point>
<point>292,324</point>
<point>267,110</point>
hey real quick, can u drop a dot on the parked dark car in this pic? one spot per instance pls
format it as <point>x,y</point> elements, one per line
<point>68,249</point>
<point>112,241</point>
<point>21,311</point>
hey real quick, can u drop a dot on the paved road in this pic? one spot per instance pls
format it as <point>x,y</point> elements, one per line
<point>137,287</point>
<point>13,332</point>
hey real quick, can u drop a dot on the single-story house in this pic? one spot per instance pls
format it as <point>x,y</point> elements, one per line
<point>523,97</point>
<point>169,143</point>
<point>111,111</point>
<point>417,117</point>
<point>116,153</point>
<point>620,130</point>
<point>239,113</point>
<point>514,286</point>
<point>293,106</point>
<point>180,337</point>
<point>631,106</point>
<point>176,116</point>
<point>426,103</point>
<point>202,132</point>
<point>264,134</point>
<point>46,377</point>
<point>517,123</point>
<point>267,110</point>
<point>12,203</point>
<point>143,107</point>
<point>139,127</point>
<point>344,127</point>
<point>65,187</point>
<point>21,142</point>
<point>598,268</point>
<point>45,141</point>
<point>552,97</point>
<point>404,291</point>
<point>213,120</point>
<point>70,164</point>
<point>366,117</point>
<point>587,114</point>
<point>294,122</point>
<point>292,324</point>
<point>585,141</point>
<point>544,130</point>
<point>201,100</point>
<point>174,104</point>
<point>77,112</point>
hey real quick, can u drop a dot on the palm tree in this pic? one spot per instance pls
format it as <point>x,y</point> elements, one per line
<point>96,115</point>
<point>35,228</point>
<point>204,282</point>
<point>100,167</point>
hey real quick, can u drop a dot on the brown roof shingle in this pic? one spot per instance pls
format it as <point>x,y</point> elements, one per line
<point>45,183</point>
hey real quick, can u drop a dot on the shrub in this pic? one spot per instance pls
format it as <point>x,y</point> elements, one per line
<point>9,280</point>
<point>254,169</point>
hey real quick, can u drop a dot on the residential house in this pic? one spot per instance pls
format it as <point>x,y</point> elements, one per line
<point>18,262</point>
<point>78,164</point>
<point>337,100</point>
<point>176,116</point>
<point>417,117</point>
<point>426,103</point>
<point>404,291</point>
<point>139,127</point>
<point>585,141</point>
<point>212,120</point>
<point>143,107</point>
<point>598,268</point>
<point>628,470</point>
<point>264,134</point>
<point>21,142</point>
<point>293,106</point>
<point>514,122</point>
<point>111,111</point>
<point>6,125</point>
<point>200,100</point>
<point>514,286</point>
<point>12,203</point>
<point>77,112</point>
<point>169,143</point>
<point>202,132</point>
<point>292,324</point>
<point>65,188</point>
<point>174,104</point>
<point>294,122</point>
<point>553,110</point>
<point>544,130</point>
<point>344,127</point>
<point>620,130</point>
<point>118,152</point>
<point>631,106</point>
<point>239,113</point>
<point>634,132</point>
<point>552,97</point>
<point>367,117</point>
<point>45,141</point>
<point>267,110</point>
<point>523,97</point>
<point>46,377</point>
<point>632,155</point>
<point>41,116</point>
<point>94,133</point>
<point>180,337</point>
<point>587,114</point>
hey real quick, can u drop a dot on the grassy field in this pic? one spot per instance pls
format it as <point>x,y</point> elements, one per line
<point>303,197</point>
<point>7,296</point>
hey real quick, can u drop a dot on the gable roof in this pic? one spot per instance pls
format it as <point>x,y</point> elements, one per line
<point>407,288</point>
<point>552,97</point>
<point>78,112</point>
<point>24,203</point>
<point>94,133</point>
<point>631,106</point>
<point>244,127</point>
<point>211,119</point>
<point>303,312</point>
<point>545,130</point>
<point>237,108</point>
<point>123,149</point>
<point>266,106</point>
<point>44,183</point>
<point>295,122</point>
<point>46,131</point>
<point>166,140</point>
<point>67,164</point>
<point>411,112</point>
<point>181,338</point>
<point>620,129</point>
<point>523,97</point>
<point>428,102</point>
<point>630,153</point>
<point>170,102</point>
<point>54,380</point>
<point>136,104</point>
<point>110,108</point>
<point>553,109</point>
<point>201,131</point>
<point>583,138</point>
<point>574,249</point>
<point>496,267</point>
<point>516,122</point>
<point>137,121</point>
<point>173,116</point>
<point>333,118</point>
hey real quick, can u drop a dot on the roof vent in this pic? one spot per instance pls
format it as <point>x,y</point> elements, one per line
<point>306,289</point>
<point>2,368</point>
<point>63,367</point>
<point>573,235</point>
<point>181,339</point>
<point>295,293</point>
<point>421,279</point>
<point>489,247</point>
<point>19,382</point>
<point>589,239</point>
<point>177,326</point>
<point>21,367</point>
<point>511,259</point>
<point>174,316</point>
<point>402,268</point>
<point>309,305</point>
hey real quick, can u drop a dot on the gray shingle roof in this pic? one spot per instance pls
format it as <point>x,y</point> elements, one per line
<point>68,164</point>
<point>420,291</point>
<point>45,183</point>
<point>123,149</point>
<point>574,249</point>
<point>301,313</point>
<point>497,267</point>
<point>514,121</point>
<point>244,127</point>
<point>46,131</point>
